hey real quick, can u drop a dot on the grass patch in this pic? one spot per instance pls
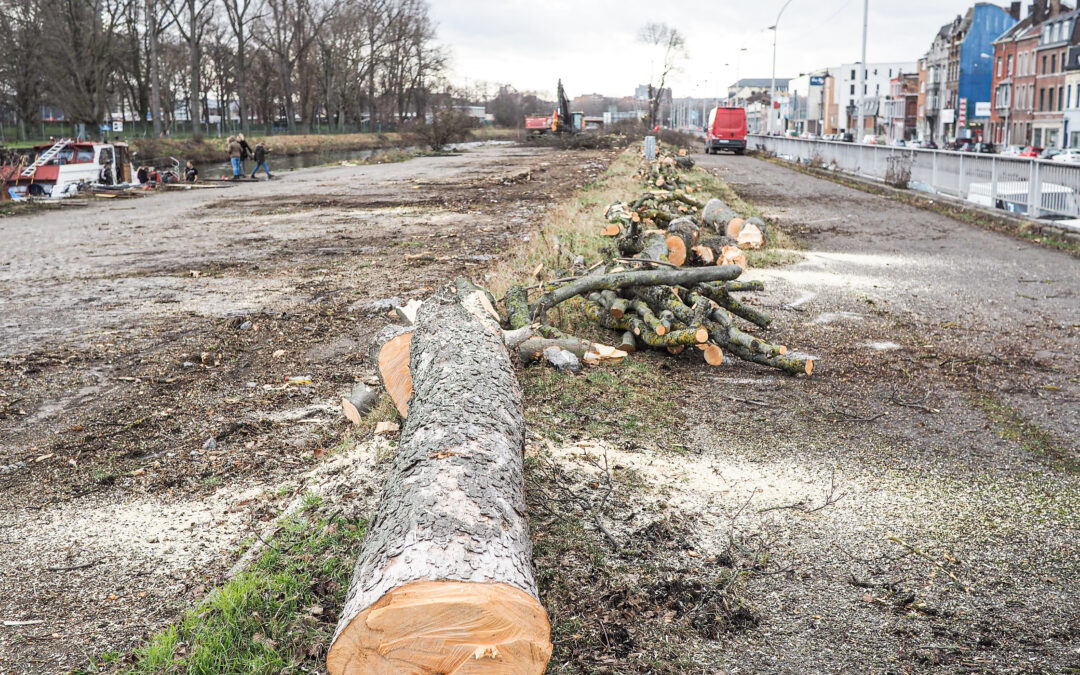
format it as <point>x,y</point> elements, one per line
<point>1043,444</point>
<point>624,402</point>
<point>276,617</point>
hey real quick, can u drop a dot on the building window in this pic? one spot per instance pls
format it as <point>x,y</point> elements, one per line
<point>1061,102</point>
<point>1042,99</point>
<point>1044,64</point>
<point>1053,63</point>
<point>999,66</point>
<point>852,73</point>
<point>852,90</point>
<point>1068,95</point>
<point>1008,65</point>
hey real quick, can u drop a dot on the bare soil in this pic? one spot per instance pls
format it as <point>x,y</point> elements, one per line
<point>914,507</point>
<point>147,428</point>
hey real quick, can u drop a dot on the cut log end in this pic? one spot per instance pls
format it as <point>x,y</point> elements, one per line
<point>733,226</point>
<point>445,627</point>
<point>676,251</point>
<point>809,366</point>
<point>705,253</point>
<point>394,371</point>
<point>701,335</point>
<point>612,230</point>
<point>714,356</point>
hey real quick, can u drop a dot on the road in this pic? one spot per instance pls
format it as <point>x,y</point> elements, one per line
<point>946,407</point>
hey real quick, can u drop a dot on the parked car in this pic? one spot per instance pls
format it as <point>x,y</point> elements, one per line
<point>848,138</point>
<point>1031,151</point>
<point>982,148</point>
<point>1049,153</point>
<point>1070,156</point>
<point>926,145</point>
<point>1012,151</point>
<point>899,143</point>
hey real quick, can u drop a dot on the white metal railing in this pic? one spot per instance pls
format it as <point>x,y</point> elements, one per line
<point>1021,185</point>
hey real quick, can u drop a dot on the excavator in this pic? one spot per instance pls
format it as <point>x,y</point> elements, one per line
<point>561,121</point>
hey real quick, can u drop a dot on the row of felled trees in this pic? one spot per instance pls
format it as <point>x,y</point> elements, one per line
<point>338,62</point>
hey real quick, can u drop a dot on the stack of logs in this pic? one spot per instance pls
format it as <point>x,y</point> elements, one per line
<point>673,284</point>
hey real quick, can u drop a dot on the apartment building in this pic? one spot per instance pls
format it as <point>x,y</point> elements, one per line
<point>875,91</point>
<point>1051,56</point>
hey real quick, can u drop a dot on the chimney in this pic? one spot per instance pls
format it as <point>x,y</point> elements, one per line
<point>1038,11</point>
<point>1055,8</point>
<point>1014,10</point>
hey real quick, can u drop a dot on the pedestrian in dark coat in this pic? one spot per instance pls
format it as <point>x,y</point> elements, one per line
<point>261,151</point>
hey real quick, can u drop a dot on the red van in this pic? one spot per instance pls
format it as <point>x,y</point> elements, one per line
<point>726,130</point>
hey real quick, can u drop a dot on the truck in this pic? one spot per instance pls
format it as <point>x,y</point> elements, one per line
<point>726,130</point>
<point>560,121</point>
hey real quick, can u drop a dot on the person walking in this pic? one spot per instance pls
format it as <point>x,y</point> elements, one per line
<point>245,153</point>
<point>261,151</point>
<point>234,156</point>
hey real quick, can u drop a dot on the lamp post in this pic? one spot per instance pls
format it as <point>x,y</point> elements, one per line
<point>862,72</point>
<point>772,87</point>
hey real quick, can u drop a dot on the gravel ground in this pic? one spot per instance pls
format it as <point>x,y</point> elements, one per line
<point>146,426</point>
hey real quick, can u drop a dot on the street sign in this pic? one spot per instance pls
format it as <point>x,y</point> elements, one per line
<point>817,80</point>
<point>118,126</point>
<point>982,109</point>
<point>962,115</point>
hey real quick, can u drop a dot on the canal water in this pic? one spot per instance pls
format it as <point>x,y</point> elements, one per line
<point>304,161</point>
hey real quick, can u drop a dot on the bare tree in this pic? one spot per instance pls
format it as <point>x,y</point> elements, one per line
<point>20,77</point>
<point>192,18</point>
<point>288,30</point>
<point>242,14</point>
<point>669,45</point>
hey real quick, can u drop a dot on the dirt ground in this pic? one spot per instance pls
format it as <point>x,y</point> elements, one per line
<point>146,424</point>
<point>913,507</point>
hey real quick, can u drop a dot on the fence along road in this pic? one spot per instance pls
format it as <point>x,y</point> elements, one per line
<point>1032,187</point>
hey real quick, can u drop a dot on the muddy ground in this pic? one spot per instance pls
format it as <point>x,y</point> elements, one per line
<point>146,425</point>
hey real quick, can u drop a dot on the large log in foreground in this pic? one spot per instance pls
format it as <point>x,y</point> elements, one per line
<point>444,582</point>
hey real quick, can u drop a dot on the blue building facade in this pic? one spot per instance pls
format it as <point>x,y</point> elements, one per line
<point>975,81</point>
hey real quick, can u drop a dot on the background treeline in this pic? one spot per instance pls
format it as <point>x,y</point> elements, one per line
<point>300,65</point>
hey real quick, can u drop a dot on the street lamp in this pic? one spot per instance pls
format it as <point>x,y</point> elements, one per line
<point>772,88</point>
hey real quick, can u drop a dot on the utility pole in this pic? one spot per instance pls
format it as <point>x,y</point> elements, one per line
<point>775,28</point>
<point>862,73</point>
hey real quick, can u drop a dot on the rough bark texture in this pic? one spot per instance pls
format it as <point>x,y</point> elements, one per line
<point>517,306</point>
<point>533,348</point>
<point>716,215</point>
<point>668,277</point>
<point>452,511</point>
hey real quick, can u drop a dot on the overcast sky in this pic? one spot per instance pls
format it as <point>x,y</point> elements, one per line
<point>591,44</point>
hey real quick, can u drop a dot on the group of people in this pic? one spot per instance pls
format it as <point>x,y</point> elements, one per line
<point>148,175</point>
<point>240,151</point>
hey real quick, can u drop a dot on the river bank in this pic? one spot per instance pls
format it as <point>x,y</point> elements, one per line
<point>215,149</point>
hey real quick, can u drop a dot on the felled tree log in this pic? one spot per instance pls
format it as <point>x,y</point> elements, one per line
<point>516,301</point>
<point>444,581</point>
<point>642,310</point>
<point>682,236</point>
<point>723,297</point>
<point>664,277</point>
<point>716,214</point>
<point>595,310</point>
<point>711,249</point>
<point>533,348</point>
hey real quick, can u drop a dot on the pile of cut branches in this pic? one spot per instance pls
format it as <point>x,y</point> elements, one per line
<point>672,284</point>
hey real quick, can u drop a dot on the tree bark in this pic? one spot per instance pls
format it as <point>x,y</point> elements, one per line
<point>444,582</point>
<point>667,277</point>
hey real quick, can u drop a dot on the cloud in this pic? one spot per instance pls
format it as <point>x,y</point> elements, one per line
<point>592,46</point>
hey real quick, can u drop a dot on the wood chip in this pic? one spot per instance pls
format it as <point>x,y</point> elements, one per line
<point>350,411</point>
<point>28,622</point>
<point>387,428</point>
<point>408,311</point>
